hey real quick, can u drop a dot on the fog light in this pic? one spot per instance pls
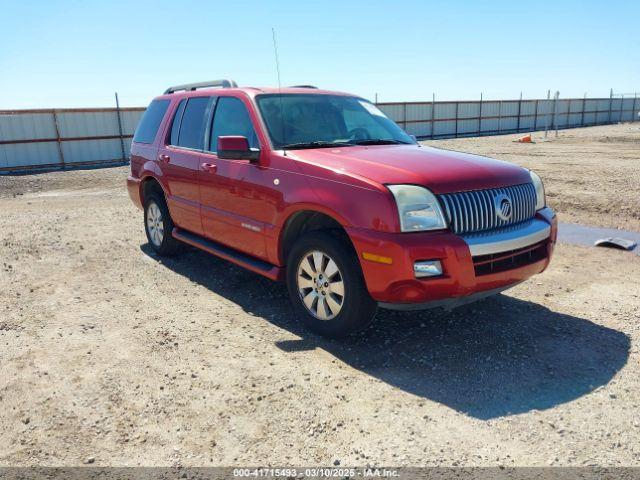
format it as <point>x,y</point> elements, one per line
<point>428,268</point>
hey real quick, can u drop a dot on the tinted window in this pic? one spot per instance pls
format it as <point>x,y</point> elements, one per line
<point>193,122</point>
<point>175,126</point>
<point>148,126</point>
<point>305,119</point>
<point>232,118</point>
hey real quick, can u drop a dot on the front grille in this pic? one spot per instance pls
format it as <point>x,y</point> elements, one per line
<point>501,262</point>
<point>475,211</point>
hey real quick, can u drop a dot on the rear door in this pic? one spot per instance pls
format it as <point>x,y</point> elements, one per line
<point>180,161</point>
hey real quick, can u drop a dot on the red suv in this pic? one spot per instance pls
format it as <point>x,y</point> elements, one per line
<point>321,190</point>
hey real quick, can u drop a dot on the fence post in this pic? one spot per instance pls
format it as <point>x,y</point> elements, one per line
<point>546,116</point>
<point>480,117</point>
<point>584,103</point>
<point>519,110</point>
<point>124,156</point>
<point>55,123</point>
<point>610,105</point>
<point>555,111</point>
<point>535,117</point>
<point>633,113</point>
<point>433,115</point>
<point>621,108</point>
<point>457,109</point>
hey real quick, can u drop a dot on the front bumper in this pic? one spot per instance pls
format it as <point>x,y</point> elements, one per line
<point>395,285</point>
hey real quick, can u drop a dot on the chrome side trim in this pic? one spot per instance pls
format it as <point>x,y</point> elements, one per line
<point>510,238</point>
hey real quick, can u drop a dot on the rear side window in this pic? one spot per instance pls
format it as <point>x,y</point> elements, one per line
<point>193,123</point>
<point>148,126</point>
<point>175,125</point>
<point>231,118</point>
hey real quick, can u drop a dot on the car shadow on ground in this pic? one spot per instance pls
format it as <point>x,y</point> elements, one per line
<point>502,356</point>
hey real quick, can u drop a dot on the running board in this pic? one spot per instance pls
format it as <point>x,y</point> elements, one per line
<point>250,263</point>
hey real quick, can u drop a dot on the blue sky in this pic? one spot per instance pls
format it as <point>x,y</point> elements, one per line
<point>71,53</point>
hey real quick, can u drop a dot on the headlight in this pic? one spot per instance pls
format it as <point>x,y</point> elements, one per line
<point>418,208</point>
<point>541,200</point>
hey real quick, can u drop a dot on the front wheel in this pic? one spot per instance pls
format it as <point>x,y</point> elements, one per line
<point>326,286</point>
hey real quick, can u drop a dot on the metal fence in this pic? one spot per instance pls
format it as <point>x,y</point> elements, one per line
<point>60,138</point>
<point>475,118</point>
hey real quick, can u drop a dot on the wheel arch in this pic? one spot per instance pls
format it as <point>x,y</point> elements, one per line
<point>304,221</point>
<point>149,185</point>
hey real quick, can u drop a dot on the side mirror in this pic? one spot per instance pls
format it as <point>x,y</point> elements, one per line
<point>235,147</point>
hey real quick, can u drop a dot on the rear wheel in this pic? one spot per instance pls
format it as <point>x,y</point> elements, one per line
<point>326,286</point>
<point>159,226</point>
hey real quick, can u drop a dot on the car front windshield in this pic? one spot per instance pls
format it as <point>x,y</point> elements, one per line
<point>317,121</point>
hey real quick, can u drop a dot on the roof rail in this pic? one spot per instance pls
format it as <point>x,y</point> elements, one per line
<point>303,86</point>
<point>194,86</point>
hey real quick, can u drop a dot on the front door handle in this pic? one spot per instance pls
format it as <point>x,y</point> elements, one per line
<point>164,158</point>
<point>209,167</point>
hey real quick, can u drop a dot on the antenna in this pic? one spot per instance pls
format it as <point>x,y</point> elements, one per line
<point>275,50</point>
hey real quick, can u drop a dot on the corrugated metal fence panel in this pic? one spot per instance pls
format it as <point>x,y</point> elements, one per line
<point>509,109</point>
<point>528,107</point>
<point>88,124</point>
<point>527,123</point>
<point>419,111</point>
<point>591,105</point>
<point>91,150</point>
<point>467,126</point>
<point>25,126</point>
<point>442,129</point>
<point>395,111</point>
<point>419,129</point>
<point>468,110</point>
<point>445,110</point>
<point>490,109</point>
<point>130,119</point>
<point>30,154</point>
<point>508,124</point>
<point>21,133</point>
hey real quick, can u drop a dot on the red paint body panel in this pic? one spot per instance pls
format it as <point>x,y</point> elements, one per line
<point>246,205</point>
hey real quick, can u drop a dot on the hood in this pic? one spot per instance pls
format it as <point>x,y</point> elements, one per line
<point>442,171</point>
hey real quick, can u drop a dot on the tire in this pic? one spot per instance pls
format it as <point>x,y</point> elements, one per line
<point>158,226</point>
<point>337,304</point>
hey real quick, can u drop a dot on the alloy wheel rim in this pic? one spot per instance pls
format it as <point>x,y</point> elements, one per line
<point>155,224</point>
<point>320,285</point>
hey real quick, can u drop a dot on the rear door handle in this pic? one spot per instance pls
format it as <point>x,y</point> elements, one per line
<point>209,167</point>
<point>164,158</point>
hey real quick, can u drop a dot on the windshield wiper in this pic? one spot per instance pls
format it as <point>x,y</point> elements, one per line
<point>316,144</point>
<point>379,141</point>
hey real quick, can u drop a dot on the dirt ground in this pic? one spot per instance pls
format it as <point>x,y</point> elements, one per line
<point>592,175</point>
<point>113,356</point>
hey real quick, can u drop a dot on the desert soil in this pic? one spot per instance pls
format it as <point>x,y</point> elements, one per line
<point>111,355</point>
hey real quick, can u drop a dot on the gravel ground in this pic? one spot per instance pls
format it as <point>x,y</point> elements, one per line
<point>112,356</point>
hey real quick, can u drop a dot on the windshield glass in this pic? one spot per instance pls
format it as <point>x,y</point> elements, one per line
<point>316,121</point>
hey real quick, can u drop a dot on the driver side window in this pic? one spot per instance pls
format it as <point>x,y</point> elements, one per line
<point>232,118</point>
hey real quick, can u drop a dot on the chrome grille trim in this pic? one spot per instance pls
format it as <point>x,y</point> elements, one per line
<point>475,211</point>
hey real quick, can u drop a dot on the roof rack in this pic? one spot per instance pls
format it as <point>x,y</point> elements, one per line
<point>303,86</point>
<point>190,87</point>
